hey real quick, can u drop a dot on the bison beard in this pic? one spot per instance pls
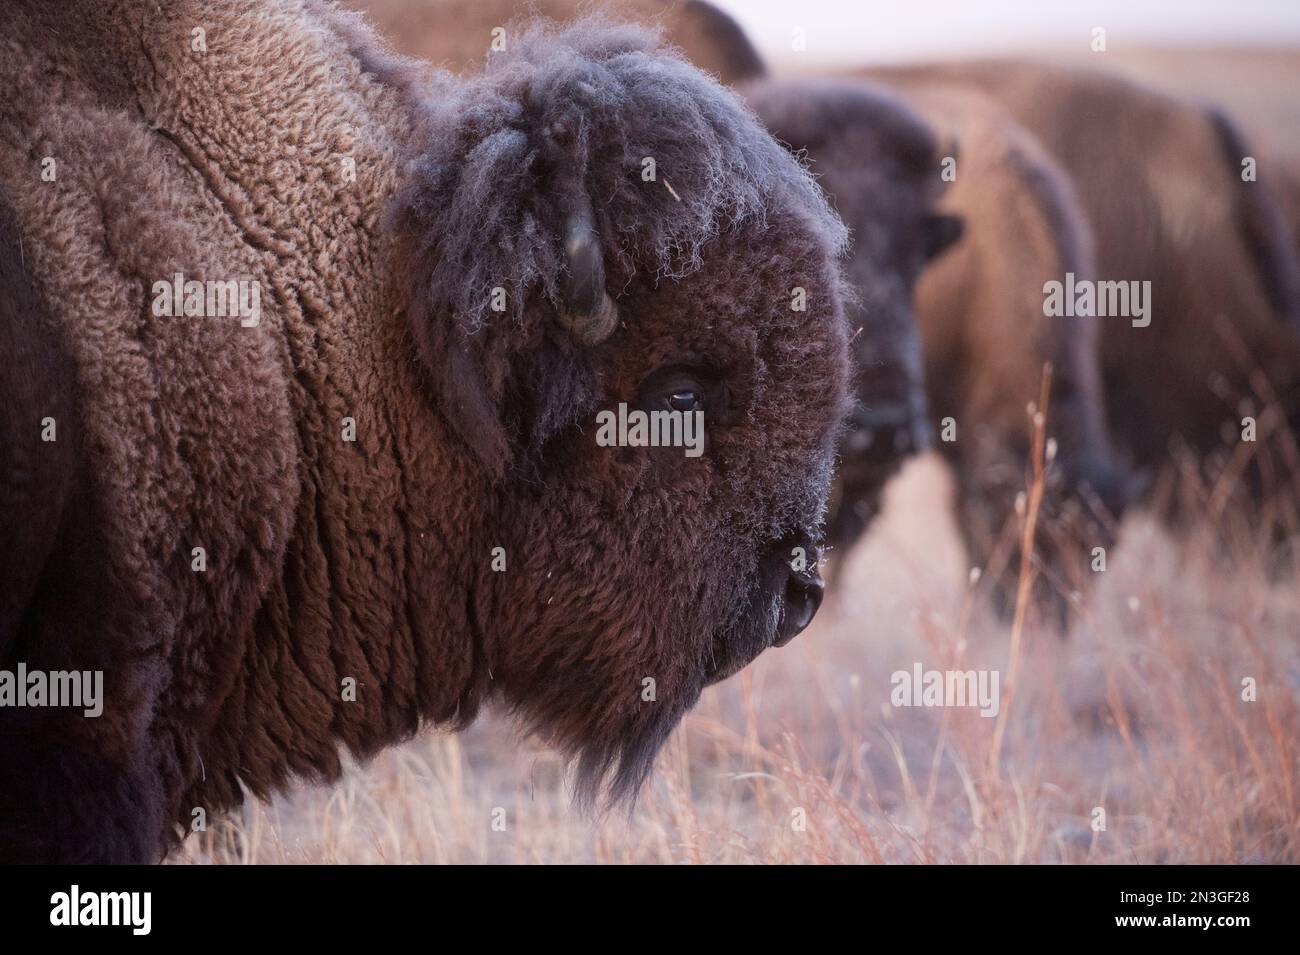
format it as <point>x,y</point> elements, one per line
<point>370,561</point>
<point>600,707</point>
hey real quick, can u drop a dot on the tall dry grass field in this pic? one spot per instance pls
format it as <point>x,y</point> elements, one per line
<point>1138,713</point>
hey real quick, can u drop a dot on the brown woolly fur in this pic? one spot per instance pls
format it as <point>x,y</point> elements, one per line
<point>401,504</point>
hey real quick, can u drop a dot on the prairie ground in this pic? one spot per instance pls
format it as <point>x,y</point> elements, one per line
<point>1138,714</point>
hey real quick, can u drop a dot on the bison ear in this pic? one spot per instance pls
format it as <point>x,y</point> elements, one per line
<point>939,232</point>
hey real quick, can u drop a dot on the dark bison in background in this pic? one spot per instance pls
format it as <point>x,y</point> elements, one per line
<point>879,162</point>
<point>385,482</point>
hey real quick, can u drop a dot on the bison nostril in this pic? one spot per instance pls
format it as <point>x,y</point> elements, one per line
<point>803,595</point>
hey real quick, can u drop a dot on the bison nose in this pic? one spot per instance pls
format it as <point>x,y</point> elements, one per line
<point>803,595</point>
<point>791,572</point>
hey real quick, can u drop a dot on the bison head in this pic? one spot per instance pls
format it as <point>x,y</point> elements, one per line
<point>880,163</point>
<point>593,224</point>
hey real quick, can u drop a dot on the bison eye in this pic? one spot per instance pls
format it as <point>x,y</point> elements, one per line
<point>685,399</point>
<point>697,386</point>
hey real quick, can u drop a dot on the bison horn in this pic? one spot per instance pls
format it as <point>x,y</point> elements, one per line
<point>587,310</point>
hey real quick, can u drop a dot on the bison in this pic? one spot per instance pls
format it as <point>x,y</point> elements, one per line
<point>1163,186</point>
<point>1254,88</point>
<point>987,341</point>
<point>880,163</point>
<point>375,498</point>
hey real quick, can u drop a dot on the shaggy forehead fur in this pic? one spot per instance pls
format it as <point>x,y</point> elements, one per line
<point>589,102</point>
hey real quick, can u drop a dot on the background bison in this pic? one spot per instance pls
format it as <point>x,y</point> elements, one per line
<point>987,341</point>
<point>350,463</point>
<point>1222,271</point>
<point>877,159</point>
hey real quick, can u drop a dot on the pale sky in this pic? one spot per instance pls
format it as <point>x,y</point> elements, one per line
<point>856,31</point>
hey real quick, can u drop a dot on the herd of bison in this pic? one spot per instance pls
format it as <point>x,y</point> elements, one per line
<point>380,504</point>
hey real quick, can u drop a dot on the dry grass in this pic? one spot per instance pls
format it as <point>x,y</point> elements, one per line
<point>1139,711</point>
